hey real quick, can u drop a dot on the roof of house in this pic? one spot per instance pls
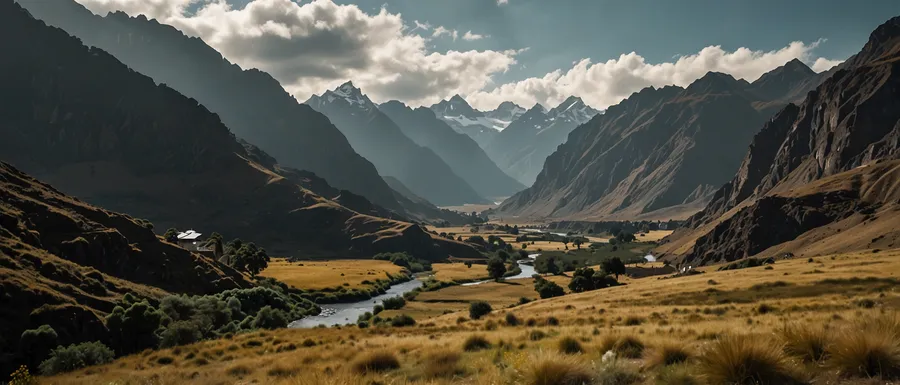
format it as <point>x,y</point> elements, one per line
<point>189,235</point>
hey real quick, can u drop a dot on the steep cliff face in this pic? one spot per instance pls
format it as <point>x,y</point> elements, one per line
<point>79,119</point>
<point>850,121</point>
<point>250,102</point>
<point>459,151</point>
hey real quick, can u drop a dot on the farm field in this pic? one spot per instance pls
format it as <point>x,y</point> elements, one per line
<point>658,329</point>
<point>315,275</point>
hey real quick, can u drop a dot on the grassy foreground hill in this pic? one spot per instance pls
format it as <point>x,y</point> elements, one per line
<point>821,321</point>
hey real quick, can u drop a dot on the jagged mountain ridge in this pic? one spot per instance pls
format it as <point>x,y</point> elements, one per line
<point>659,154</point>
<point>380,140</point>
<point>846,133</point>
<point>81,120</point>
<point>460,116</point>
<point>520,149</point>
<point>459,151</point>
<point>250,102</point>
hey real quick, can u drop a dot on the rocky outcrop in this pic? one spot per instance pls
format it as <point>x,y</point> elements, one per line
<point>84,122</point>
<point>250,102</point>
<point>459,151</point>
<point>850,121</point>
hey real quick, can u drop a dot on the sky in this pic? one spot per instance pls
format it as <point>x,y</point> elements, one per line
<point>524,51</point>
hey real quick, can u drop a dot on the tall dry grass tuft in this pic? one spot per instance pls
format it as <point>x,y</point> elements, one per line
<point>676,375</point>
<point>669,353</point>
<point>442,364</point>
<point>376,362</point>
<point>570,345</point>
<point>554,369</point>
<point>871,348</point>
<point>624,346</point>
<point>807,342</point>
<point>746,360</point>
<point>475,343</point>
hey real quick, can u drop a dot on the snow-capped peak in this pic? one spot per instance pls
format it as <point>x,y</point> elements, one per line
<point>573,109</point>
<point>350,94</point>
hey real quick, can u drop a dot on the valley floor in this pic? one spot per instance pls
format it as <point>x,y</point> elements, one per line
<point>687,322</point>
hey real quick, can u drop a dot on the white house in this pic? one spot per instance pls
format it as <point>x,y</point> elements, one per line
<point>189,240</point>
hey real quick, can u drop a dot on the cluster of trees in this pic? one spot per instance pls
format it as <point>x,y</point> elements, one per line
<point>551,264</point>
<point>405,260</point>
<point>242,256</point>
<point>136,324</point>
<point>492,244</point>
<point>586,279</point>
<point>547,289</point>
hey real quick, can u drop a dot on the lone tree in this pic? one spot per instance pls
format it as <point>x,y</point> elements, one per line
<point>578,242</point>
<point>614,266</point>
<point>547,289</point>
<point>496,268</point>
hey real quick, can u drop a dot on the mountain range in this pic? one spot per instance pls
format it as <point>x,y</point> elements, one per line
<point>250,102</point>
<point>522,147</point>
<point>660,153</point>
<point>480,126</point>
<point>820,177</point>
<point>379,139</point>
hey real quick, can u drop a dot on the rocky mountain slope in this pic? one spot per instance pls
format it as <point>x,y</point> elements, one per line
<point>378,138</point>
<point>79,119</point>
<point>522,147</point>
<point>250,102</point>
<point>813,170</point>
<point>659,154</point>
<point>63,262</point>
<point>459,151</point>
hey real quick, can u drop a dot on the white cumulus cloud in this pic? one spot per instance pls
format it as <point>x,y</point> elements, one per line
<point>318,45</point>
<point>606,83</point>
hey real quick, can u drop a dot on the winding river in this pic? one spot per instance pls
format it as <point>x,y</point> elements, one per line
<point>344,313</point>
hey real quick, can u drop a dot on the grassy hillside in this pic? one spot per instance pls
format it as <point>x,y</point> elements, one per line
<point>686,330</point>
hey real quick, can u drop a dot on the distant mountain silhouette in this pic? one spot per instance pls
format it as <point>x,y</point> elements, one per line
<point>82,121</point>
<point>250,102</point>
<point>522,147</point>
<point>660,153</point>
<point>459,151</point>
<point>380,140</point>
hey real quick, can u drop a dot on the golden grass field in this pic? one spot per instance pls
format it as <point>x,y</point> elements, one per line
<point>314,275</point>
<point>695,329</point>
<point>459,272</point>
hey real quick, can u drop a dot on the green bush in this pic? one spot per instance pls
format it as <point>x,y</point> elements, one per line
<point>547,289</point>
<point>394,303</point>
<point>479,309</point>
<point>180,333</point>
<point>76,356</point>
<point>36,343</point>
<point>269,318</point>
<point>402,320</point>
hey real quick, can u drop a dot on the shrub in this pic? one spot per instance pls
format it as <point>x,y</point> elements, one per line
<point>479,309</point>
<point>269,318</point>
<point>76,356</point>
<point>37,343</point>
<point>475,343</point>
<point>569,345</point>
<point>558,370</point>
<point>402,320</point>
<point>615,373</point>
<point>625,346</point>
<point>165,360</point>
<point>668,354</point>
<point>870,349</point>
<point>180,333</point>
<point>442,364</point>
<point>547,289</point>
<point>633,321</point>
<point>511,319</point>
<point>746,360</point>
<point>394,303</point>
<point>552,321</point>
<point>376,362</point>
<point>807,342</point>
<point>377,309</point>
<point>22,377</point>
